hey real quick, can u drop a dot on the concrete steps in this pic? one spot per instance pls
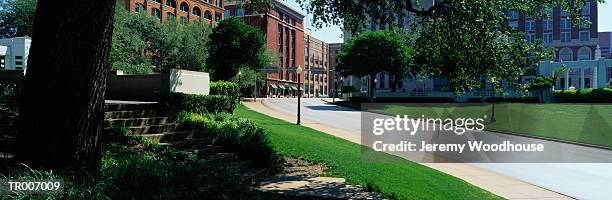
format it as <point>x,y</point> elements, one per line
<point>134,122</point>
<point>314,187</point>
<point>169,136</point>
<point>153,129</point>
<point>132,114</point>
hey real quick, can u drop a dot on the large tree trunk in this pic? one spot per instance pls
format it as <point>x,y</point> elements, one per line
<point>62,102</point>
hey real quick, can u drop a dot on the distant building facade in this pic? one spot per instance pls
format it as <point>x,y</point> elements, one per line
<point>209,11</point>
<point>605,44</point>
<point>316,67</point>
<point>14,53</point>
<point>334,79</point>
<point>283,27</point>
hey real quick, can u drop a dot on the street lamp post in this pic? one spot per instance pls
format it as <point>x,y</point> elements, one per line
<point>373,91</point>
<point>239,85</point>
<point>299,72</point>
<point>493,103</point>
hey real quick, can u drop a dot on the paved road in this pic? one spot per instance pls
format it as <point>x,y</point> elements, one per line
<point>582,181</point>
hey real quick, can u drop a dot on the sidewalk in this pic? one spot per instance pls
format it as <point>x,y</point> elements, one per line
<point>504,186</point>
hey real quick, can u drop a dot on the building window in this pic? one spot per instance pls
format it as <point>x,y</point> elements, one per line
<point>217,17</point>
<point>218,3</point>
<point>196,11</point>
<point>566,24</point>
<point>566,36</point>
<point>227,13</point>
<point>207,15</point>
<point>512,14</point>
<point>240,12</point>
<point>565,55</point>
<point>587,23</point>
<point>184,20</point>
<point>530,25</point>
<point>170,16</point>
<point>530,37</point>
<point>584,36</point>
<point>156,12</point>
<point>586,10</point>
<point>584,53</point>
<point>139,7</point>
<point>548,38</point>
<point>548,24</point>
<point>171,3</point>
<point>18,60</point>
<point>513,24</point>
<point>564,13</point>
<point>184,7</point>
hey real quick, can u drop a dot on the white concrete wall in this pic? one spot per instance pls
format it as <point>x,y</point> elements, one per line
<point>184,81</point>
<point>19,46</point>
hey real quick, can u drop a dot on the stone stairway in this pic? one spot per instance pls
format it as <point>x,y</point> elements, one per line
<point>144,119</point>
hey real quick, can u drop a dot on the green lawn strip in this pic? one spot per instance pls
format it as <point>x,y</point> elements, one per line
<point>584,123</point>
<point>392,176</point>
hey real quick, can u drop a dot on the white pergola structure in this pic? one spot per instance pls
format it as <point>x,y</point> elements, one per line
<point>580,74</point>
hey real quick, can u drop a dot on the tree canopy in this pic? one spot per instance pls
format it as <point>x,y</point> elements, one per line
<point>235,45</point>
<point>374,52</point>
<point>16,18</point>
<point>463,41</point>
<point>141,41</point>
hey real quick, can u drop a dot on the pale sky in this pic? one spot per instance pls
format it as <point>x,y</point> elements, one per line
<point>333,34</point>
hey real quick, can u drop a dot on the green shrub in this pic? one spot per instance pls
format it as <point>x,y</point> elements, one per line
<point>233,134</point>
<point>230,89</point>
<point>200,104</point>
<point>603,95</point>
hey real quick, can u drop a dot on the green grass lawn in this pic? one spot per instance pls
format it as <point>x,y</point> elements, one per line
<point>392,176</point>
<point>584,123</point>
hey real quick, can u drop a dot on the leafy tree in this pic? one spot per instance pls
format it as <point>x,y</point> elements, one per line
<point>464,41</point>
<point>16,17</point>
<point>62,100</point>
<point>542,83</point>
<point>374,52</point>
<point>244,44</point>
<point>128,50</point>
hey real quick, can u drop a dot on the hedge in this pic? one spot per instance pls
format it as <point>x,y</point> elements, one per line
<point>603,95</point>
<point>237,135</point>
<point>230,89</point>
<point>200,104</point>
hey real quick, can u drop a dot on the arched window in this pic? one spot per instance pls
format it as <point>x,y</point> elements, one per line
<point>184,20</point>
<point>139,7</point>
<point>566,54</point>
<point>207,15</point>
<point>218,3</point>
<point>184,7</point>
<point>217,17</point>
<point>197,11</point>
<point>584,53</point>
<point>171,3</point>
<point>170,16</point>
<point>156,12</point>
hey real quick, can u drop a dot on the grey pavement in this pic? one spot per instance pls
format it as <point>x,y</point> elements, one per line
<point>577,180</point>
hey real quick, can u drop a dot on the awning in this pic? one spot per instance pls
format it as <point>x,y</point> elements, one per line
<point>273,86</point>
<point>281,87</point>
<point>293,88</point>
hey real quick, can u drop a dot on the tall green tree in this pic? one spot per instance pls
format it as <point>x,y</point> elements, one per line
<point>16,17</point>
<point>464,41</point>
<point>374,52</point>
<point>235,45</point>
<point>542,83</point>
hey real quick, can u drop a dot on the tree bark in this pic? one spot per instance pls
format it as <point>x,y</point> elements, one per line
<point>62,103</point>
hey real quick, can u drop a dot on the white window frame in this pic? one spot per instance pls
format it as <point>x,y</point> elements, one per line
<point>569,36</point>
<point>565,23</point>
<point>548,24</point>
<point>530,25</point>
<point>547,37</point>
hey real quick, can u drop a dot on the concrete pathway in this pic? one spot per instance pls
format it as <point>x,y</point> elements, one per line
<point>349,129</point>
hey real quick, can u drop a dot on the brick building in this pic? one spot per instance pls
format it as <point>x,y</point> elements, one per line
<point>316,67</point>
<point>571,42</point>
<point>210,11</point>
<point>283,27</point>
<point>605,44</point>
<point>334,77</point>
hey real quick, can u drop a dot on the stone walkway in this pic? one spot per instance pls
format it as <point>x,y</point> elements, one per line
<point>504,186</point>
